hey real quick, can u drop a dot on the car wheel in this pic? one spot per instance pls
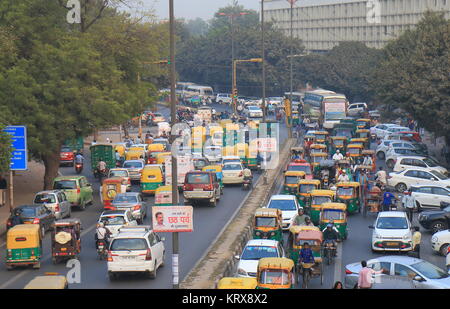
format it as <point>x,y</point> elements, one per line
<point>37,266</point>
<point>163,259</point>
<point>214,203</point>
<point>438,226</point>
<point>444,249</point>
<point>390,164</point>
<point>401,187</point>
<point>112,276</point>
<point>419,207</point>
<point>152,274</point>
<point>380,155</point>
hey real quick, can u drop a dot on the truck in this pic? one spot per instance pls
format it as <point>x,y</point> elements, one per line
<point>75,144</point>
<point>103,152</point>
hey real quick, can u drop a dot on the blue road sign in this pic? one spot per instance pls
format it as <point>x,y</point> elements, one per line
<point>19,155</point>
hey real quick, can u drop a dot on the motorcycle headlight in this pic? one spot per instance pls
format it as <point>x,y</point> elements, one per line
<point>272,234</point>
<point>258,233</point>
<point>242,272</point>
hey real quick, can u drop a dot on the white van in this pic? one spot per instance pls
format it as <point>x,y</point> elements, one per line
<point>205,91</point>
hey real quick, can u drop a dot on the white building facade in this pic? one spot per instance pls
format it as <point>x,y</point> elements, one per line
<point>322,24</point>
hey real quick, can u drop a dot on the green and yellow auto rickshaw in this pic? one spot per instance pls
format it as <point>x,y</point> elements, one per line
<point>317,158</point>
<point>338,142</point>
<point>349,193</point>
<point>23,246</point>
<point>305,186</point>
<point>276,273</point>
<point>321,137</point>
<point>267,224</point>
<point>336,213</point>
<point>363,123</point>
<point>237,283</point>
<point>295,118</point>
<point>291,181</point>
<point>318,148</point>
<point>354,152</point>
<point>242,151</point>
<point>318,197</point>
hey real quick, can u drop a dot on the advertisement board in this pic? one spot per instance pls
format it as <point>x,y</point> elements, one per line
<point>172,219</point>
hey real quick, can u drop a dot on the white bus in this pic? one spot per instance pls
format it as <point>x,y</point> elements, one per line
<point>204,91</point>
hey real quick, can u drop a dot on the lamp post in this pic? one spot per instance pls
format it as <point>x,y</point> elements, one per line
<point>263,57</point>
<point>292,2</point>
<point>235,62</point>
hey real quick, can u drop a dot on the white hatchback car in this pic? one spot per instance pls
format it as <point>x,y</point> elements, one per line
<point>403,180</point>
<point>425,163</point>
<point>380,130</point>
<point>255,250</point>
<point>136,249</point>
<point>430,196</point>
<point>392,232</point>
<point>440,242</point>
<point>233,173</point>
<point>56,201</point>
<point>116,219</point>
<point>288,205</point>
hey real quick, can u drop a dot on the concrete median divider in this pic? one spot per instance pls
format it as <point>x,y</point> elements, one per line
<point>219,261</point>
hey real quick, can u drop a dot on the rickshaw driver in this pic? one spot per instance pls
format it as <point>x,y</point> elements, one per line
<point>308,222</point>
<point>306,255</point>
<point>368,160</point>
<point>101,166</point>
<point>300,218</point>
<point>338,156</point>
<point>103,233</point>
<point>343,177</point>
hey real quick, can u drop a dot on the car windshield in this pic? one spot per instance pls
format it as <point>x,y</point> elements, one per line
<point>258,252</point>
<point>65,184</point>
<point>439,175</point>
<point>133,165</point>
<point>199,163</point>
<point>198,179</point>
<point>113,220</point>
<point>291,180</point>
<point>354,150</point>
<point>392,223</point>
<point>274,276</point>
<point>346,133</point>
<point>119,174</point>
<point>344,191</point>
<point>318,200</point>
<point>338,142</point>
<point>66,150</point>
<point>300,168</point>
<point>266,221</point>
<point>125,199</point>
<point>28,212</point>
<point>282,204</point>
<point>127,244</point>
<point>44,198</point>
<point>307,188</point>
<point>229,167</point>
<point>333,214</point>
<point>429,270</point>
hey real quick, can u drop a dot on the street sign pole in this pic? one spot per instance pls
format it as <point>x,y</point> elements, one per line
<point>11,190</point>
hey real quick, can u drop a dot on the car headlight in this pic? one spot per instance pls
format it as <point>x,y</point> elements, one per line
<point>406,236</point>
<point>434,239</point>
<point>242,272</point>
<point>378,236</point>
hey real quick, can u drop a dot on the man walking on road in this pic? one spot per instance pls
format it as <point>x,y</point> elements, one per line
<point>416,239</point>
<point>409,202</point>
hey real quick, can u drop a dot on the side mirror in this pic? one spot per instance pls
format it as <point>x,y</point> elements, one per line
<point>237,257</point>
<point>418,278</point>
<point>371,227</point>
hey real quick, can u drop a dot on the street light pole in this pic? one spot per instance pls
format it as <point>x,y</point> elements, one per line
<point>263,52</point>
<point>173,102</point>
<point>292,2</point>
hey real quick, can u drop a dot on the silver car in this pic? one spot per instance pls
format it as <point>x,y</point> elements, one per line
<point>401,270</point>
<point>56,201</point>
<point>133,202</point>
<point>134,168</point>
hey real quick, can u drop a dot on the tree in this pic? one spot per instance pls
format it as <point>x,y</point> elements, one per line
<point>413,74</point>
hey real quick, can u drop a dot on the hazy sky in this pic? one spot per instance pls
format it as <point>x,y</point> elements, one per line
<point>191,9</point>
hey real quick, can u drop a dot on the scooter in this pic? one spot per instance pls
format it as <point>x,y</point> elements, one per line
<point>247,184</point>
<point>78,168</point>
<point>102,251</point>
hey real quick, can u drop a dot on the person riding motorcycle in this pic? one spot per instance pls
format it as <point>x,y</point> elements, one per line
<point>330,234</point>
<point>102,234</point>
<point>300,218</point>
<point>248,174</point>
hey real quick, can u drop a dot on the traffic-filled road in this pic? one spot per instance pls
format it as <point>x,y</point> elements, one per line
<point>208,222</point>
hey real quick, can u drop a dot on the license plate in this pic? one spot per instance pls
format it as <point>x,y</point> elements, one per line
<point>128,258</point>
<point>392,244</point>
<point>198,189</point>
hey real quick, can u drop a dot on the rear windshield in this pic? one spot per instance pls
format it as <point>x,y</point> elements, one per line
<point>333,214</point>
<point>198,179</point>
<point>126,244</point>
<point>65,184</point>
<point>118,174</point>
<point>44,198</point>
<point>300,168</point>
<point>132,165</point>
<point>113,220</point>
<point>125,199</point>
<point>228,167</point>
<point>28,212</point>
<point>318,200</point>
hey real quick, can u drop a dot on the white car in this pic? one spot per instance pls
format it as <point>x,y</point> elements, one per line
<point>392,232</point>
<point>288,205</point>
<point>213,153</point>
<point>255,250</point>
<point>430,196</point>
<point>393,153</point>
<point>136,249</point>
<point>56,201</point>
<point>254,112</point>
<point>224,98</point>
<point>380,130</point>
<point>393,130</point>
<point>383,147</point>
<point>355,109</point>
<point>403,180</point>
<point>134,168</point>
<point>232,173</point>
<point>440,242</point>
<point>116,219</point>
<point>425,163</point>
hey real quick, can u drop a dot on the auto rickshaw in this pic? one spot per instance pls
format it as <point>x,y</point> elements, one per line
<point>66,239</point>
<point>161,157</point>
<point>198,138</point>
<point>275,273</point>
<point>318,148</point>
<point>110,188</point>
<point>23,246</point>
<point>121,149</point>
<point>371,153</point>
<point>238,283</point>
<point>152,151</point>
<point>135,154</point>
<point>242,152</point>
<point>216,134</point>
<point>354,152</point>
<point>363,133</point>
<point>151,179</point>
<point>291,181</point>
<point>349,193</point>
<point>326,172</point>
<point>163,196</point>
<point>295,118</point>
<point>318,197</point>
<point>252,160</point>
<point>268,224</point>
<point>373,200</point>
<point>316,158</point>
<point>297,153</point>
<point>298,236</point>
<point>305,187</point>
<point>337,142</point>
<point>363,123</point>
<point>335,212</point>
<point>308,140</point>
<point>321,137</point>
<point>47,282</point>
<point>218,170</point>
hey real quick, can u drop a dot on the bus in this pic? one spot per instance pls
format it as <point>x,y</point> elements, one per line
<point>202,91</point>
<point>325,105</point>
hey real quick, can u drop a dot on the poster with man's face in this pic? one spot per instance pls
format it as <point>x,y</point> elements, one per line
<point>172,218</point>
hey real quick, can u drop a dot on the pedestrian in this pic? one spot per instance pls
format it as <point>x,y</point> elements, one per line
<point>338,286</point>
<point>447,259</point>
<point>408,202</point>
<point>365,276</point>
<point>387,200</point>
<point>381,177</point>
<point>3,188</point>
<point>416,238</point>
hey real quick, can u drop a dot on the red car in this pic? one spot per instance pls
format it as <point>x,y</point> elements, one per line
<point>66,156</point>
<point>412,135</point>
<point>298,165</point>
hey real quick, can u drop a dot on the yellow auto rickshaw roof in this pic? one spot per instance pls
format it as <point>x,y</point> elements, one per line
<point>309,182</point>
<point>323,146</point>
<point>355,146</point>
<point>30,231</point>
<point>320,132</point>
<point>297,149</point>
<point>155,147</point>
<point>368,152</point>
<point>267,212</point>
<point>363,119</point>
<point>152,167</point>
<point>356,140</point>
<point>319,154</point>
<point>310,235</point>
<point>362,131</point>
<point>339,206</point>
<point>162,154</point>
<point>353,184</point>
<point>294,173</point>
<point>47,283</point>
<point>295,229</point>
<point>277,263</point>
<point>237,283</point>
<point>319,192</point>
<point>24,230</point>
<point>212,168</point>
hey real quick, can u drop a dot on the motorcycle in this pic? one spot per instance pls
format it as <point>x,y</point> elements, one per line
<point>329,251</point>
<point>102,251</point>
<point>247,184</point>
<point>78,168</point>
<point>100,174</point>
